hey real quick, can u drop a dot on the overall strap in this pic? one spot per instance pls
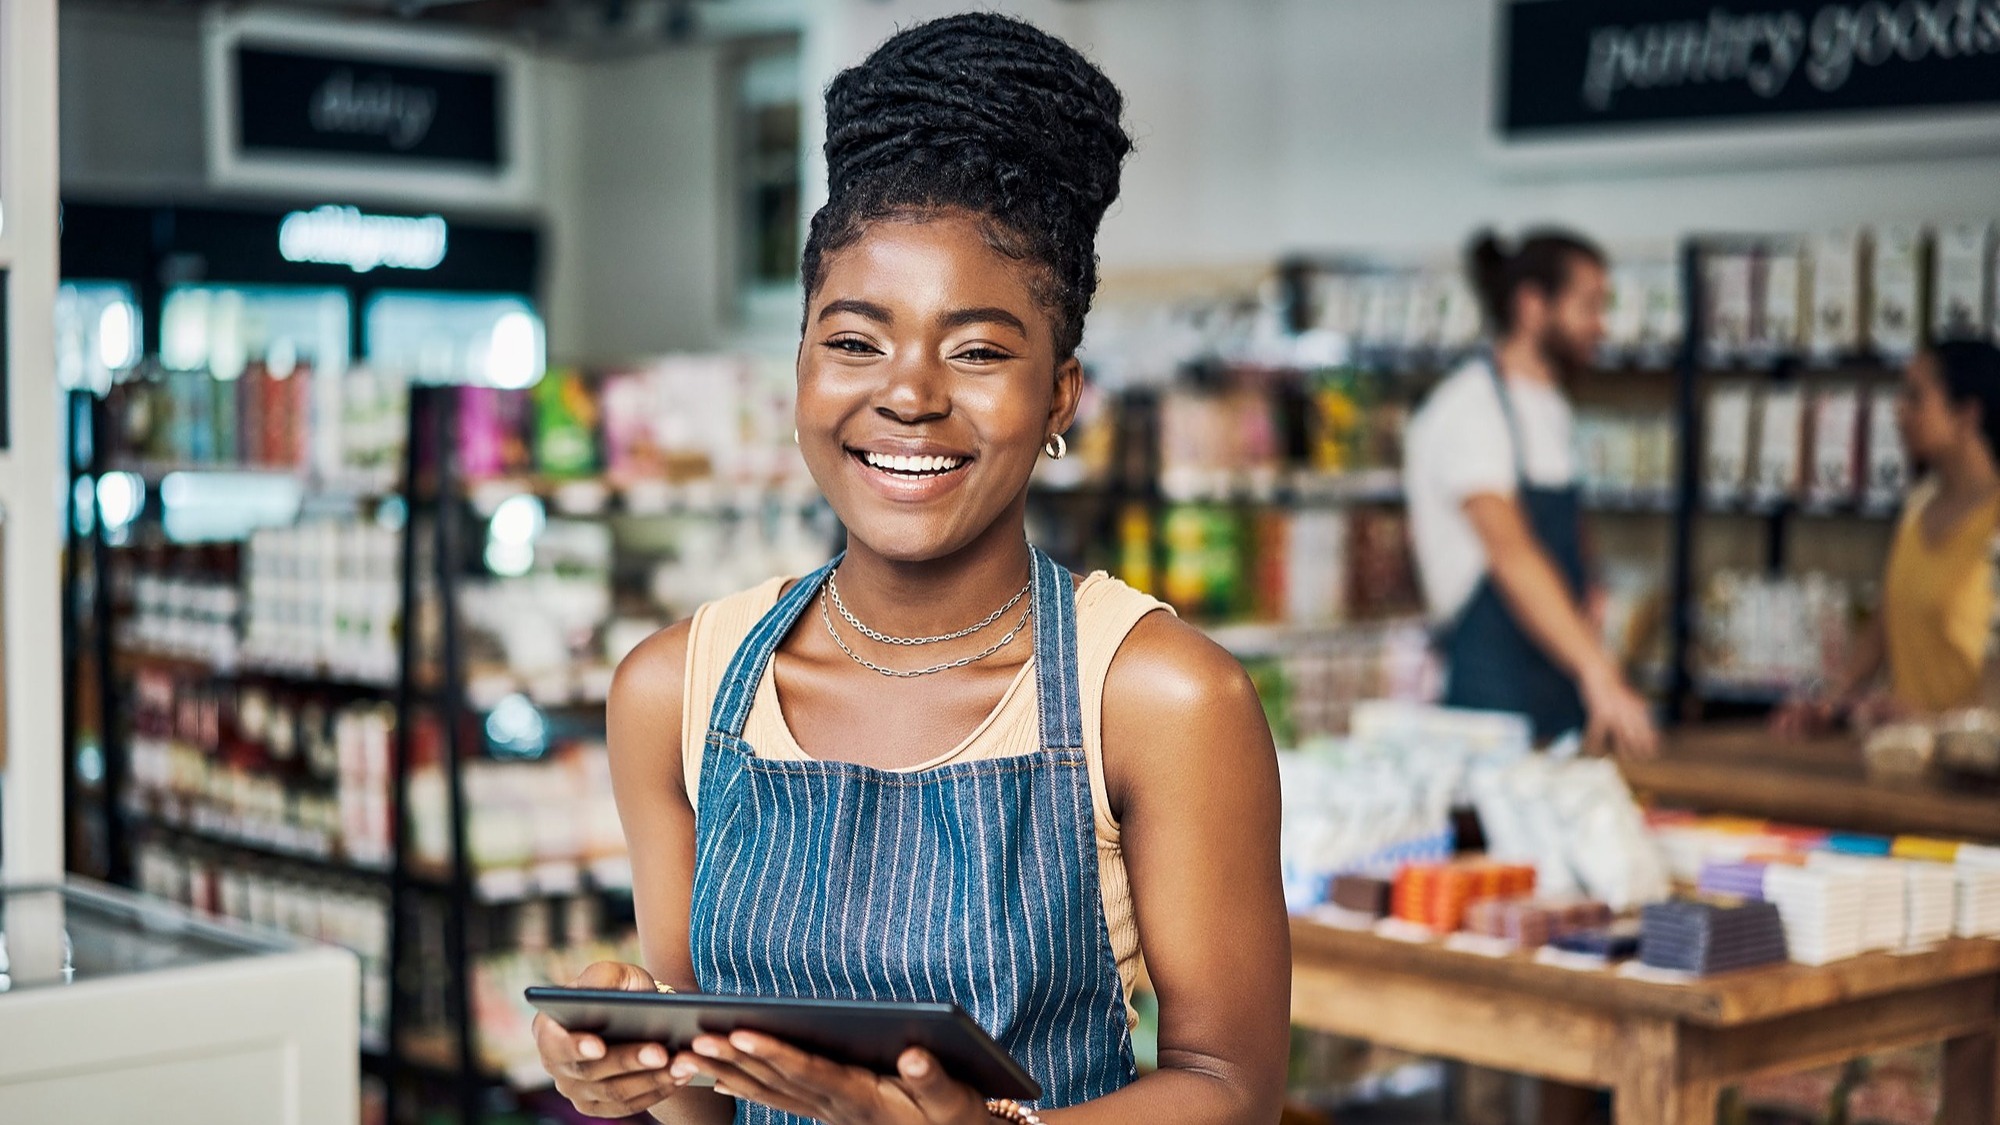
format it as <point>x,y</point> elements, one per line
<point>1057,682</point>
<point>746,668</point>
<point>1507,415</point>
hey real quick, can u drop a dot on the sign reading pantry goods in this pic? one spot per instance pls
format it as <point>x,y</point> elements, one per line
<point>291,102</point>
<point>1580,66</point>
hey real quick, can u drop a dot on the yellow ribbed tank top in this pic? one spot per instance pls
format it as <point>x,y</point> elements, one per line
<point>1937,609</point>
<point>1106,611</point>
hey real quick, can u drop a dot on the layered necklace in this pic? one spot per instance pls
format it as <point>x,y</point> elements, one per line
<point>831,595</point>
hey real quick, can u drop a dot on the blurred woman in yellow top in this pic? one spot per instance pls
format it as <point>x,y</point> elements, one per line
<point>1935,623</point>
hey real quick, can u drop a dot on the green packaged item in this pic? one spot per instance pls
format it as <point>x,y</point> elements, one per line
<point>565,426</point>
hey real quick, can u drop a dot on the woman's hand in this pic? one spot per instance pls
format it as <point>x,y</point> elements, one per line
<point>1619,718</point>
<point>761,1069</point>
<point>602,1080</point>
<point>1806,715</point>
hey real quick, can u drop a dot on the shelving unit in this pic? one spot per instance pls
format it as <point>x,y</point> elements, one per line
<point>430,678</point>
<point>1761,534</point>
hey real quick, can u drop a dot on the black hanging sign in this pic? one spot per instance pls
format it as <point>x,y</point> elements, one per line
<point>1586,66</point>
<point>291,102</point>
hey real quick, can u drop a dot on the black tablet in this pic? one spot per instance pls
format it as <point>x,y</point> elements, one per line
<point>862,1033</point>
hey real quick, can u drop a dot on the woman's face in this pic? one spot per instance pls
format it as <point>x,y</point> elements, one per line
<point>928,384</point>
<point>1925,417</point>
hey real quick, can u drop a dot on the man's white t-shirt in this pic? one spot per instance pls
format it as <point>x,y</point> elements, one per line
<point>1459,446</point>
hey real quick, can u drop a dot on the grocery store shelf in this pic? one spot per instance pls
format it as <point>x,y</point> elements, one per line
<point>584,497</point>
<point>1633,503</point>
<point>303,679</point>
<point>357,487</point>
<point>318,862</point>
<point>494,887</point>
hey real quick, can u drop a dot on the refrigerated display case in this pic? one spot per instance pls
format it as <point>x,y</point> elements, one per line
<point>263,1025</point>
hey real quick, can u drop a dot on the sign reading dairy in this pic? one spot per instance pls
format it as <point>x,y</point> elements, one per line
<point>298,103</point>
<point>1584,66</point>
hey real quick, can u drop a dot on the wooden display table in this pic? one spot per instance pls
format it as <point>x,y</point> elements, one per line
<point>1746,771</point>
<point>1664,1050</point>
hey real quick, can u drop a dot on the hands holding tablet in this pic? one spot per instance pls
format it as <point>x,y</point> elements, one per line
<point>605,1079</point>
<point>761,1069</point>
<point>615,1079</point>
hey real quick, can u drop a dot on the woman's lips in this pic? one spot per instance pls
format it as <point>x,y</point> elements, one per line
<point>905,487</point>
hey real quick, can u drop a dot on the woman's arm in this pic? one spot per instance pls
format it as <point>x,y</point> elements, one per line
<point>643,725</point>
<point>1192,776</point>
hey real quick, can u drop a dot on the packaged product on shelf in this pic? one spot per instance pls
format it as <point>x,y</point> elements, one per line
<point>1959,304</point>
<point>324,596</point>
<point>1774,633</point>
<point>361,439</point>
<point>1731,306</point>
<point>1437,896</point>
<point>1203,574</point>
<point>1314,562</point>
<point>1836,446</point>
<point>1381,568</point>
<point>1780,434</point>
<point>1780,325</point>
<point>1834,326</point>
<point>565,425</point>
<point>1625,319</point>
<point>541,619</point>
<point>1895,292</point>
<point>1728,427</point>
<point>1576,822</point>
<point>1357,809</point>
<point>1665,315</point>
<point>491,433</point>
<point>1888,466</point>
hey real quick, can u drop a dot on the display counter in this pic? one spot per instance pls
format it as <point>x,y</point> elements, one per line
<point>1745,770</point>
<point>115,1007</point>
<point>1665,1049</point>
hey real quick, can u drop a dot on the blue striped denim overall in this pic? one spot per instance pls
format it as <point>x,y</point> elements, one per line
<point>974,883</point>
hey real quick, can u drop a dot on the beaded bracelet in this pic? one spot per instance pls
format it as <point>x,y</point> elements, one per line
<point>1007,1109</point>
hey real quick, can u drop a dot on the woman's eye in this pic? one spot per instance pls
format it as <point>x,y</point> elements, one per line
<point>982,355</point>
<point>851,345</point>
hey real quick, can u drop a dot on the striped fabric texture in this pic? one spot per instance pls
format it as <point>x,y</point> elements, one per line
<point>974,883</point>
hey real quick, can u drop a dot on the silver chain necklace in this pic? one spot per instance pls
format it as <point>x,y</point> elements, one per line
<point>884,638</point>
<point>915,672</point>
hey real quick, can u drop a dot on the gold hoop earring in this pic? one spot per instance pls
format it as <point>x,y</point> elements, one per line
<point>1056,447</point>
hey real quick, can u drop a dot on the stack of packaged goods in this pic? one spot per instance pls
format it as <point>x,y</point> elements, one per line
<point>347,432</point>
<point>324,598</point>
<point>1702,938</point>
<point>1775,634</point>
<point>186,602</point>
<point>1437,896</point>
<point>545,825</point>
<point>1841,894</point>
<point>278,767</point>
<point>1822,911</point>
<point>1626,459</point>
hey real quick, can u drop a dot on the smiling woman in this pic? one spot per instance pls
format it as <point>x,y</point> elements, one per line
<point>1055,789</point>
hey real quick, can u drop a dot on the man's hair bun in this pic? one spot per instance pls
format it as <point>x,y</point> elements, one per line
<point>988,114</point>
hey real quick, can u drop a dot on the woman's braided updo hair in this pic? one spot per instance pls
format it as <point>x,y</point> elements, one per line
<point>985,114</point>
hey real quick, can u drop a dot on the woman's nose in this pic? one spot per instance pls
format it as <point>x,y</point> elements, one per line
<point>917,389</point>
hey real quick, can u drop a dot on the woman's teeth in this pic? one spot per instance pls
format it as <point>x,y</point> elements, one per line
<point>914,465</point>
